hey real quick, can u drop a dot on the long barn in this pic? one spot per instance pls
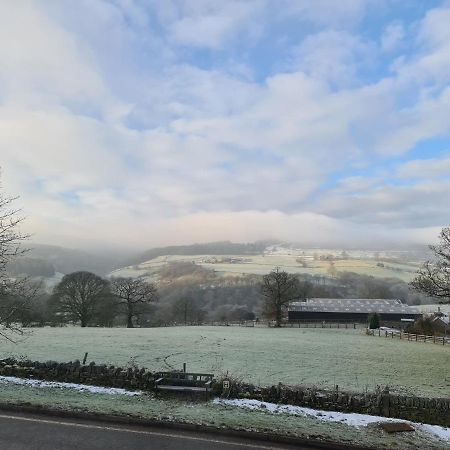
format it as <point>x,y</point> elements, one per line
<point>351,309</point>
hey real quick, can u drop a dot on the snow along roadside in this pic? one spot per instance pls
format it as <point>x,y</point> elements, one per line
<point>351,419</point>
<point>76,386</point>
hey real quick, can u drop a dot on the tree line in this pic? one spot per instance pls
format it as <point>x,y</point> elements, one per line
<point>89,300</point>
<point>189,294</point>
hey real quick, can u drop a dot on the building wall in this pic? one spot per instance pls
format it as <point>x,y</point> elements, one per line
<point>346,316</point>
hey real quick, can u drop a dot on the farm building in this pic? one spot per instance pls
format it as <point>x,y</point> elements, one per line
<point>351,309</point>
<point>441,323</point>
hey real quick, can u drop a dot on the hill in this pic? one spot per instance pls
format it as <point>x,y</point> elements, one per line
<point>209,248</point>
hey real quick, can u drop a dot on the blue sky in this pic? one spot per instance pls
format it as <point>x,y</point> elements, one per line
<point>144,122</point>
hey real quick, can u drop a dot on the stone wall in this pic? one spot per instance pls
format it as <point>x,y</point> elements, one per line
<point>75,372</point>
<point>381,402</point>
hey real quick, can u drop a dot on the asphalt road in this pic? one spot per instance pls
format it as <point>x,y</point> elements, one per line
<point>34,432</point>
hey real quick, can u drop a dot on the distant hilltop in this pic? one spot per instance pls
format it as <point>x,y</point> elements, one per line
<point>209,248</point>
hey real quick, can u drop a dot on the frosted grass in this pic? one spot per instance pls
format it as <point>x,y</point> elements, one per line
<point>263,356</point>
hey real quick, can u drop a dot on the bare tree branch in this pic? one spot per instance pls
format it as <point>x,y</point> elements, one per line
<point>279,288</point>
<point>433,278</point>
<point>14,293</point>
<point>132,293</point>
<point>78,295</point>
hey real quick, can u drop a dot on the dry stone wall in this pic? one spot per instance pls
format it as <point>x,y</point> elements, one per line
<point>75,372</point>
<point>381,402</point>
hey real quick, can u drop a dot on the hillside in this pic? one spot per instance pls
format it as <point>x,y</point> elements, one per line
<point>260,258</point>
<point>209,248</point>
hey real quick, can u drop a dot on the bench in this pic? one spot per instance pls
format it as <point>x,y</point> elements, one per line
<point>184,382</point>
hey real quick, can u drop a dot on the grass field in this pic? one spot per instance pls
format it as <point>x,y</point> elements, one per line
<point>323,357</point>
<point>262,264</point>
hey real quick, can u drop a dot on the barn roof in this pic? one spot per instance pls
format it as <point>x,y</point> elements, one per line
<point>354,305</point>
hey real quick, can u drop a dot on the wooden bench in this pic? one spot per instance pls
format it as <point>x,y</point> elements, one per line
<point>184,382</point>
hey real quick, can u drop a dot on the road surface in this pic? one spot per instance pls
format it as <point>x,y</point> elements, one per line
<point>20,431</point>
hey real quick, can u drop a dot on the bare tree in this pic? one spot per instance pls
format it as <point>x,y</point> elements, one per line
<point>279,288</point>
<point>78,295</point>
<point>133,294</point>
<point>25,298</point>
<point>433,278</point>
<point>10,248</point>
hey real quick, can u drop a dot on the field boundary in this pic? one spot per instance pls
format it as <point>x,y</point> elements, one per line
<point>411,337</point>
<point>271,324</point>
<point>380,402</point>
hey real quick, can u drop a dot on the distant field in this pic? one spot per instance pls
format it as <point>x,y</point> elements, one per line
<point>264,356</point>
<point>260,265</point>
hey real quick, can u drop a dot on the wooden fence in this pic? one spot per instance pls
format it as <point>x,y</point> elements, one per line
<point>409,336</point>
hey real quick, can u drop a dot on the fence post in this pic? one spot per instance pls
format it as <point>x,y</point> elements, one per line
<point>385,402</point>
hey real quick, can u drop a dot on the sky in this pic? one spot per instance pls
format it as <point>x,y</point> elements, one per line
<point>140,123</point>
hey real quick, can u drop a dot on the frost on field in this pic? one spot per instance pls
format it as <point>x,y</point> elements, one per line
<point>325,358</point>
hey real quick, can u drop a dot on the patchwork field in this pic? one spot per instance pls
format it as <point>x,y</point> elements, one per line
<point>262,264</point>
<point>324,357</point>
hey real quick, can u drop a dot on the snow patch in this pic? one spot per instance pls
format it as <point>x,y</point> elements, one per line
<point>441,432</point>
<point>351,419</point>
<point>76,386</point>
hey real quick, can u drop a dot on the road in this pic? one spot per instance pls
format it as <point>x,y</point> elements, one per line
<point>20,431</point>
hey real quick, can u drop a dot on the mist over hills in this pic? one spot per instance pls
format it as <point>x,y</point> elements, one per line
<point>67,260</point>
<point>44,259</point>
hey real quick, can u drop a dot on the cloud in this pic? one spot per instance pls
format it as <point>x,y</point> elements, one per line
<point>124,121</point>
<point>208,24</point>
<point>329,12</point>
<point>392,36</point>
<point>334,56</point>
<point>39,60</point>
<point>425,168</point>
<point>391,206</point>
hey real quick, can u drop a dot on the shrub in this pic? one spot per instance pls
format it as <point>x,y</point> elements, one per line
<point>374,321</point>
